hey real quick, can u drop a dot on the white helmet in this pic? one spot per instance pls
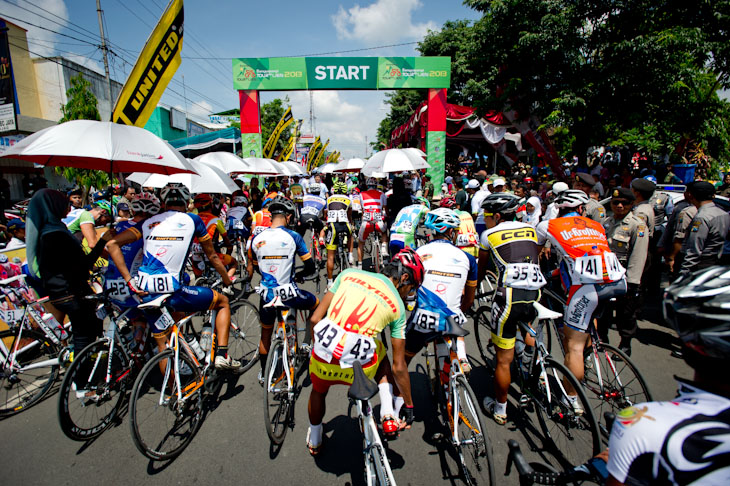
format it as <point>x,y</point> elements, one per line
<point>559,187</point>
<point>571,198</point>
<point>147,203</point>
<point>175,191</point>
<point>371,182</point>
<point>315,188</point>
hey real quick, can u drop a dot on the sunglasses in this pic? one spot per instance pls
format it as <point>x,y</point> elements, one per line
<point>616,202</point>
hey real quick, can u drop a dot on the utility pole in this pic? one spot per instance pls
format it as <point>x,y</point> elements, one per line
<point>104,48</point>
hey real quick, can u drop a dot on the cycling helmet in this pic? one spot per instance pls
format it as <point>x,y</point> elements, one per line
<point>146,203</point>
<point>697,306</point>
<point>281,205</point>
<point>442,219</point>
<point>274,186</point>
<point>98,196</point>
<point>240,199</point>
<point>409,261</point>
<point>103,205</point>
<point>572,198</point>
<point>650,178</point>
<point>371,182</point>
<point>315,188</point>
<point>175,192</point>
<point>448,202</point>
<point>500,203</point>
<point>339,188</point>
<point>423,201</point>
<point>202,201</point>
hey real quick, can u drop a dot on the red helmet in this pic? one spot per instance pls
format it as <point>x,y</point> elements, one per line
<point>202,200</point>
<point>448,203</point>
<point>409,261</point>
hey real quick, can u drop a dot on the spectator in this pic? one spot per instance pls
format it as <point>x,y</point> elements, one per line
<point>16,228</point>
<point>462,198</point>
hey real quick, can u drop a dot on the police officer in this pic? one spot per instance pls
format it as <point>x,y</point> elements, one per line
<point>593,210</point>
<point>643,190</point>
<point>707,232</point>
<point>628,238</point>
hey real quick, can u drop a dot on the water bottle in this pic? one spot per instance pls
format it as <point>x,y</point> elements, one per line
<point>195,346</point>
<point>54,325</point>
<point>128,337</point>
<point>206,338</point>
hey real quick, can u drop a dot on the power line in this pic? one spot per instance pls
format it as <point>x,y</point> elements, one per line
<point>49,30</point>
<point>46,18</point>
<point>92,34</point>
<point>322,53</point>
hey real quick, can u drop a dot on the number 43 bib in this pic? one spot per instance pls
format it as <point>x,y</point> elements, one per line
<point>331,341</point>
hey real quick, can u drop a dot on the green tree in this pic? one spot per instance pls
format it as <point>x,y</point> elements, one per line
<point>271,113</point>
<point>81,105</point>
<point>402,105</point>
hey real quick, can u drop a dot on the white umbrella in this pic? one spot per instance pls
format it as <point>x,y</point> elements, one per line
<point>106,146</point>
<point>416,151</point>
<point>138,177</point>
<point>327,168</point>
<point>261,166</point>
<point>226,161</point>
<point>394,160</point>
<point>350,165</point>
<point>294,168</point>
<point>209,179</point>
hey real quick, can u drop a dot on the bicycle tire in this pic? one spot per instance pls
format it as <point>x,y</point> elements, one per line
<point>476,459</point>
<point>612,396</point>
<point>375,257</point>
<point>19,391</point>
<point>559,422</point>
<point>245,334</point>
<point>377,459</point>
<point>482,335</point>
<point>144,404</point>
<point>278,402</point>
<point>80,418</point>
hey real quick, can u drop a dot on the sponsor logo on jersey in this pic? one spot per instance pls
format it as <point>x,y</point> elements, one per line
<point>260,243</point>
<point>579,309</point>
<point>577,232</point>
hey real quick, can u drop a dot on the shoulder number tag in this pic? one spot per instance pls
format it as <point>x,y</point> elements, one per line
<point>523,276</point>
<point>327,336</point>
<point>614,270</point>
<point>164,321</point>
<point>372,215</point>
<point>310,210</point>
<point>337,216</point>
<point>426,321</point>
<point>589,269</point>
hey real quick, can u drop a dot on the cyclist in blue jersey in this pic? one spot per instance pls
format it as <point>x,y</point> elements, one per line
<point>311,213</point>
<point>238,217</point>
<point>168,238</point>
<point>448,288</point>
<point>273,252</point>
<point>403,231</point>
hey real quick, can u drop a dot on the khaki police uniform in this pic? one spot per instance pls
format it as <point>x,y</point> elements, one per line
<point>706,237</point>
<point>595,211</point>
<point>628,238</point>
<point>645,212</point>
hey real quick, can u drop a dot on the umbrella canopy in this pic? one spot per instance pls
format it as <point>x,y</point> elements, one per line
<point>350,165</point>
<point>394,160</point>
<point>294,169</point>
<point>225,161</point>
<point>209,179</point>
<point>107,146</point>
<point>261,166</point>
<point>327,168</point>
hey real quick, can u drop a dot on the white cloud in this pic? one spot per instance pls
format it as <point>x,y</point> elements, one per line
<point>381,22</point>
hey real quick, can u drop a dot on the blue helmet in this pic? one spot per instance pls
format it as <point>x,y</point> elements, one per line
<point>650,178</point>
<point>442,219</point>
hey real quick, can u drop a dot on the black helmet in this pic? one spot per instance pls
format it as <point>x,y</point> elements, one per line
<point>697,306</point>
<point>500,203</point>
<point>281,205</point>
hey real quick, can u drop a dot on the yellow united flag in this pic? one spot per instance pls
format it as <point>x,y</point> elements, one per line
<point>318,160</point>
<point>270,146</point>
<point>312,154</point>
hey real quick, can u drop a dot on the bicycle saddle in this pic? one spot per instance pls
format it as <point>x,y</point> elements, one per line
<point>362,388</point>
<point>154,303</point>
<point>545,313</point>
<point>276,302</point>
<point>453,329</point>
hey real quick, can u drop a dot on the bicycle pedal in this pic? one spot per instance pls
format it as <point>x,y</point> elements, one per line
<point>525,401</point>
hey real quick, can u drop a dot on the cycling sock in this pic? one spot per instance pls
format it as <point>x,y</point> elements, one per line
<point>386,399</point>
<point>397,405</point>
<point>221,351</point>
<point>500,408</point>
<point>315,435</point>
<point>461,348</point>
<point>262,360</point>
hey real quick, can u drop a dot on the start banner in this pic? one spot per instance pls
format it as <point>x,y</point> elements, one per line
<point>365,73</point>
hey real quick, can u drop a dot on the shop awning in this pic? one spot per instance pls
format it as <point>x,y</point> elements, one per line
<point>226,140</point>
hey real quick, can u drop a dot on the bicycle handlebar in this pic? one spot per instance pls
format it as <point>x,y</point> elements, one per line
<point>529,476</point>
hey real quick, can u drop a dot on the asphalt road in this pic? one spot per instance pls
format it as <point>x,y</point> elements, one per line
<point>232,446</point>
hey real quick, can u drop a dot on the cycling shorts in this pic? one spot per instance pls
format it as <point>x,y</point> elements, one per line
<point>367,227</point>
<point>303,301</point>
<point>509,307</point>
<point>185,299</point>
<point>398,241</point>
<point>304,222</point>
<point>584,299</point>
<point>324,374</point>
<point>330,236</point>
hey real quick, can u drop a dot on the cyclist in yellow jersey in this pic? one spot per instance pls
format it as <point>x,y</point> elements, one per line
<point>345,328</point>
<point>338,214</point>
<point>467,239</point>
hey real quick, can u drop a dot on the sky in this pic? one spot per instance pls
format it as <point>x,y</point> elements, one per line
<point>218,30</point>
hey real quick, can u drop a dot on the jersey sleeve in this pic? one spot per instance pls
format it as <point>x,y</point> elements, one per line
<point>398,326</point>
<point>221,227</point>
<point>199,228</point>
<point>471,276</point>
<point>626,443</point>
<point>86,218</point>
<point>484,241</point>
<point>542,233</point>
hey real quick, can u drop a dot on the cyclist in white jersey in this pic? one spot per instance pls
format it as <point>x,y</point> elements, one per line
<point>685,440</point>
<point>168,239</point>
<point>403,231</point>
<point>448,287</point>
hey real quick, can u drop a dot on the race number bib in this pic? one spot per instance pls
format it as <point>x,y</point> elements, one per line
<point>337,216</point>
<point>238,224</point>
<point>614,270</point>
<point>164,321</point>
<point>588,269</point>
<point>286,292</point>
<point>426,321</point>
<point>523,276</point>
<point>357,348</point>
<point>311,210</point>
<point>156,284</point>
<point>327,336</point>
<point>464,240</point>
<point>197,249</point>
<point>117,289</point>
<point>372,216</point>
<point>11,316</point>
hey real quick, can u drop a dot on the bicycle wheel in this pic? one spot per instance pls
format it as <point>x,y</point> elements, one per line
<point>162,426</point>
<point>375,255</point>
<point>572,437</point>
<point>483,333</point>
<point>485,291</point>
<point>474,447</point>
<point>21,388</point>
<point>277,405</point>
<point>378,472</point>
<point>620,385</point>
<point>244,334</point>
<point>87,404</point>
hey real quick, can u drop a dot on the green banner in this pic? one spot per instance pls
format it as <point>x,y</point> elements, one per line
<point>367,73</point>
<point>250,145</point>
<point>436,158</point>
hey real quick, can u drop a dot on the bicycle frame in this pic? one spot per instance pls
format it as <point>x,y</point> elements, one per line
<point>372,441</point>
<point>280,331</point>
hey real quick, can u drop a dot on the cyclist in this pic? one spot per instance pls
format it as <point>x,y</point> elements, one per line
<point>238,217</point>
<point>167,239</point>
<point>467,238</point>
<point>356,205</point>
<point>339,218</point>
<point>589,271</point>
<point>296,191</point>
<point>216,229</point>
<point>511,249</point>
<point>346,325</point>
<point>273,252</point>
<point>403,231</point>
<point>448,287</point>
<point>311,216</point>
<point>374,207</point>
<point>82,223</point>
<point>685,440</point>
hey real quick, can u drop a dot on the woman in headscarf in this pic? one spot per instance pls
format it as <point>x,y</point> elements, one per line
<point>533,211</point>
<point>56,257</point>
<point>398,200</point>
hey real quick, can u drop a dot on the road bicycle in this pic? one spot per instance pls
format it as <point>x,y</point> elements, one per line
<point>95,386</point>
<point>483,299</point>
<point>341,259</point>
<point>377,467</point>
<point>283,365</point>
<point>32,348</point>
<point>612,381</point>
<point>459,407</point>
<point>569,425</point>
<point>317,255</point>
